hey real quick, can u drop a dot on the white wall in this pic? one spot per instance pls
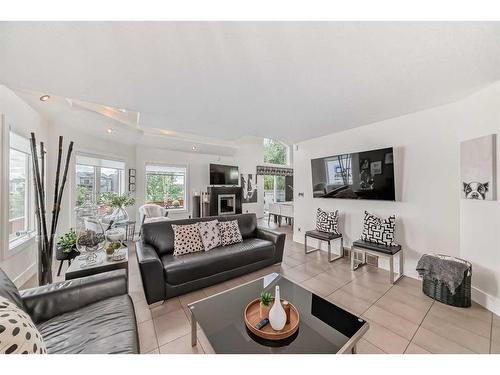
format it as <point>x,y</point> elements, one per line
<point>247,157</point>
<point>19,264</point>
<point>431,215</point>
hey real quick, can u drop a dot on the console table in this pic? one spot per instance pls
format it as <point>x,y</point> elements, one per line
<point>75,270</point>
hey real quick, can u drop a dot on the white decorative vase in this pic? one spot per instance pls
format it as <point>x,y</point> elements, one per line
<point>277,315</point>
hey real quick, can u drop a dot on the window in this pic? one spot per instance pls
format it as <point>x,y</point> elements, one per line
<point>20,190</point>
<point>275,152</point>
<point>95,176</point>
<point>166,186</point>
<point>339,170</point>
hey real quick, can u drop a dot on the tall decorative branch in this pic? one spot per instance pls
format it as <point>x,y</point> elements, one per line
<point>46,239</point>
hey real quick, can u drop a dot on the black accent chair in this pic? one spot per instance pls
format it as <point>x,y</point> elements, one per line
<point>165,276</point>
<point>92,315</point>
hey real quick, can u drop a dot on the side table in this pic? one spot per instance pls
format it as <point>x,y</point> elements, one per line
<point>76,271</point>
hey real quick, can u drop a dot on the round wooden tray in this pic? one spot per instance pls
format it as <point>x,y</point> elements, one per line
<point>252,317</point>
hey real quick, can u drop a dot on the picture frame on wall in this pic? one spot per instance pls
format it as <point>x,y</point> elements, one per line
<point>376,167</point>
<point>131,172</point>
<point>131,187</point>
<point>478,168</point>
<point>131,180</point>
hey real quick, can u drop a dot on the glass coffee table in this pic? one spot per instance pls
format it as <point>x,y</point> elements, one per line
<point>324,327</point>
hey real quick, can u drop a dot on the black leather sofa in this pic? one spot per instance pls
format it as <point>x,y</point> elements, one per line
<point>92,315</point>
<point>165,275</point>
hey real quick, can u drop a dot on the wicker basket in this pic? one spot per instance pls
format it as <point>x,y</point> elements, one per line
<point>440,291</point>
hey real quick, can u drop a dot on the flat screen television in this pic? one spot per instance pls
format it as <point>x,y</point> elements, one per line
<point>223,174</point>
<point>359,175</point>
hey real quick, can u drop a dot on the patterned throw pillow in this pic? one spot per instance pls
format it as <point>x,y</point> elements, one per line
<point>230,232</point>
<point>327,221</point>
<point>187,239</point>
<point>210,235</point>
<point>379,231</point>
<point>18,334</point>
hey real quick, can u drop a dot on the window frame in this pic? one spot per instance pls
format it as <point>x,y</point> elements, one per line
<point>16,245</point>
<point>97,175</point>
<point>288,152</point>
<point>186,207</point>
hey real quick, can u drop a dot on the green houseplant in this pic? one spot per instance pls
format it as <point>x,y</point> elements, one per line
<point>67,242</point>
<point>265,304</point>
<point>118,202</point>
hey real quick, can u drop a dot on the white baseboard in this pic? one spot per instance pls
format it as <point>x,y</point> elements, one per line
<point>25,276</point>
<point>486,300</point>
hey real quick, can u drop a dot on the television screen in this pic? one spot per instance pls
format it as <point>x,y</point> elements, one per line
<point>360,175</point>
<point>223,174</point>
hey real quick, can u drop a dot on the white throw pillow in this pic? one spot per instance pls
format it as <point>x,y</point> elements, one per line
<point>327,222</point>
<point>18,334</point>
<point>187,239</point>
<point>378,230</point>
<point>230,232</point>
<point>210,234</point>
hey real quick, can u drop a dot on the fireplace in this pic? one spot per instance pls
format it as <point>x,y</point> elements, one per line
<point>227,204</point>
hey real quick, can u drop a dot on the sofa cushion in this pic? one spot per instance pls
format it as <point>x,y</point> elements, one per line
<point>161,236</point>
<point>107,326</point>
<point>18,334</point>
<point>187,239</point>
<point>9,291</point>
<point>195,266</point>
<point>230,232</point>
<point>210,234</point>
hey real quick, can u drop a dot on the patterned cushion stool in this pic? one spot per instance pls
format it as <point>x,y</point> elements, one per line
<point>324,236</point>
<point>360,248</point>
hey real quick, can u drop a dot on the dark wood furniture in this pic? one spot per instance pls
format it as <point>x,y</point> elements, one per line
<point>76,270</point>
<point>328,237</point>
<point>360,248</point>
<point>61,256</point>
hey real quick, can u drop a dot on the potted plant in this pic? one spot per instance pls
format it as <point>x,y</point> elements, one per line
<point>176,204</point>
<point>67,242</point>
<point>265,304</point>
<point>118,202</point>
<point>66,248</point>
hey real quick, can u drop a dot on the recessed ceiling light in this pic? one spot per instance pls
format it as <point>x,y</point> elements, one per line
<point>44,98</point>
<point>193,148</point>
<point>109,131</point>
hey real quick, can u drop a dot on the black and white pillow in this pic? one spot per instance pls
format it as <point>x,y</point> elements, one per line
<point>18,334</point>
<point>327,221</point>
<point>378,230</point>
<point>187,239</point>
<point>230,232</point>
<point>210,234</point>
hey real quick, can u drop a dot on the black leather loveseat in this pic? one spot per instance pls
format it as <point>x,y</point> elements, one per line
<point>165,275</point>
<point>92,314</point>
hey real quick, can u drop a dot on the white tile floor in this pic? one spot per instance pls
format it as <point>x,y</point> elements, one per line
<point>402,319</point>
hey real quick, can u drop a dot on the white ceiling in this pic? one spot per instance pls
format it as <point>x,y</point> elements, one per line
<point>285,80</point>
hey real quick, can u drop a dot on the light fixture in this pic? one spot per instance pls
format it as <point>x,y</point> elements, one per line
<point>109,131</point>
<point>193,148</point>
<point>44,98</point>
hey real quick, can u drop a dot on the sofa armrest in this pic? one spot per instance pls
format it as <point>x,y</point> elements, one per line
<point>151,269</point>
<point>275,237</point>
<point>48,301</point>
